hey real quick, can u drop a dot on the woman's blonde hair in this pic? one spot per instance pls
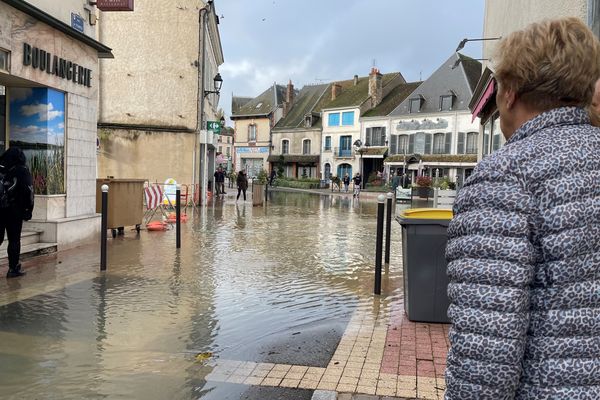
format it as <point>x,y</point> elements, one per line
<point>550,64</point>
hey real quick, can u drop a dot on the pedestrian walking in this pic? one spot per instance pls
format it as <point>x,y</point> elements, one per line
<point>16,204</point>
<point>524,249</point>
<point>219,181</point>
<point>346,181</point>
<point>395,183</point>
<point>357,182</point>
<point>272,177</point>
<point>242,184</point>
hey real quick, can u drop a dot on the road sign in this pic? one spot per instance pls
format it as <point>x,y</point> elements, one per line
<point>214,126</point>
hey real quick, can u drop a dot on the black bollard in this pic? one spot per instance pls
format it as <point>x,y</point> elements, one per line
<point>104,228</point>
<point>388,227</point>
<point>379,243</point>
<point>178,217</point>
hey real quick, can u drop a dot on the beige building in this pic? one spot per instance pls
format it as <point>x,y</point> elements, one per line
<point>48,107</point>
<point>297,136</point>
<point>153,94</point>
<point>501,18</point>
<point>254,118</point>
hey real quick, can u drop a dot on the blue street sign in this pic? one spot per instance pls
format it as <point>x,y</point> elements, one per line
<point>77,22</point>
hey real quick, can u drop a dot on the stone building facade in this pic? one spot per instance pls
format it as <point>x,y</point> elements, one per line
<point>151,93</point>
<point>48,107</point>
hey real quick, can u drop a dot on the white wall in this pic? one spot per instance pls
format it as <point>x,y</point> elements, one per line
<point>505,16</point>
<point>62,9</point>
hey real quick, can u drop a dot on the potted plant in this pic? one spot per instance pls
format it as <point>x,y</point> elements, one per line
<point>424,186</point>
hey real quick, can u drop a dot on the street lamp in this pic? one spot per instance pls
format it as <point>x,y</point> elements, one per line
<point>463,42</point>
<point>359,147</point>
<point>218,82</point>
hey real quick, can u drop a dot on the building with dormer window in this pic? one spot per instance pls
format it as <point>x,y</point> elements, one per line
<point>432,131</point>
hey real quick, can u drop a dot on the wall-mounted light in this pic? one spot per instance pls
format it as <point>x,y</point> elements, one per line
<point>218,82</point>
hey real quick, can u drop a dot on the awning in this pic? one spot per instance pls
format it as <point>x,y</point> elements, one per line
<point>373,152</point>
<point>487,95</point>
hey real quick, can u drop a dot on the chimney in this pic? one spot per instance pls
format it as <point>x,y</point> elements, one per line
<point>336,89</point>
<point>355,80</point>
<point>289,99</point>
<point>289,94</point>
<point>375,87</point>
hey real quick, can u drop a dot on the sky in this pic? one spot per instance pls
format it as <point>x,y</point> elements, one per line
<point>318,41</point>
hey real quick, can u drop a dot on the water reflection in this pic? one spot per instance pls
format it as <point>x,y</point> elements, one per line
<point>266,284</point>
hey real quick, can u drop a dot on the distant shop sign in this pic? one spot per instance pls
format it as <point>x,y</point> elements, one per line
<point>114,5</point>
<point>252,150</point>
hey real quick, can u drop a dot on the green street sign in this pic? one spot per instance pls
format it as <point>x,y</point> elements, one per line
<point>214,126</point>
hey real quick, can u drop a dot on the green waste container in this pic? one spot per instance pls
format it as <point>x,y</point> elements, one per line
<point>424,238</point>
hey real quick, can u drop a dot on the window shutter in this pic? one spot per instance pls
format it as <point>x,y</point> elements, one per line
<point>428,143</point>
<point>382,137</point>
<point>394,144</point>
<point>368,136</point>
<point>461,143</point>
<point>448,146</point>
<point>411,144</point>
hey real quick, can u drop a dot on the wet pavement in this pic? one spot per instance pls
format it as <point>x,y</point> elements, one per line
<point>260,303</point>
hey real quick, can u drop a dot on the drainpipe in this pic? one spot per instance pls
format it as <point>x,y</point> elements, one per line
<point>200,106</point>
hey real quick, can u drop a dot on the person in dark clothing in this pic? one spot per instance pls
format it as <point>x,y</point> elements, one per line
<point>357,182</point>
<point>242,184</point>
<point>395,182</point>
<point>16,204</point>
<point>346,181</point>
<point>272,177</point>
<point>219,181</point>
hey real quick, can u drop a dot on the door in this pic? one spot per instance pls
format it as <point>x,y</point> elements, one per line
<point>345,146</point>
<point>344,169</point>
<point>327,174</point>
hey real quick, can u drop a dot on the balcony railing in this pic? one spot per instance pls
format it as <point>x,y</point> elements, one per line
<point>343,153</point>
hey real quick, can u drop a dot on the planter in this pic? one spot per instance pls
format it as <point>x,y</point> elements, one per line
<point>258,194</point>
<point>423,192</point>
<point>49,207</point>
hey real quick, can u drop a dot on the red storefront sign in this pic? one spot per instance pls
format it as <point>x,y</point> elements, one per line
<point>114,5</point>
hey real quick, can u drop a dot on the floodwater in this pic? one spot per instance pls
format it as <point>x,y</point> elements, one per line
<point>265,284</point>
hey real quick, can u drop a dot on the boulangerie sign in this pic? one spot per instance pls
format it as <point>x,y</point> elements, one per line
<point>114,5</point>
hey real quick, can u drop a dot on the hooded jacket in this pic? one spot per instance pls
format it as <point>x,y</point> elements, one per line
<point>21,198</point>
<point>524,267</point>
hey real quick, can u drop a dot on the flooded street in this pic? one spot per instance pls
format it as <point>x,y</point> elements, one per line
<point>274,284</point>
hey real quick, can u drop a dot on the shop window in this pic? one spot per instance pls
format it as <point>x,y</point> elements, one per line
<point>37,126</point>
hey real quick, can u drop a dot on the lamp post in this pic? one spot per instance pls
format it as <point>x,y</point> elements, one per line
<point>358,144</point>
<point>463,42</point>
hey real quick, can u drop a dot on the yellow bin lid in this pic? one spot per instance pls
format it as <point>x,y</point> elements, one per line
<point>427,213</point>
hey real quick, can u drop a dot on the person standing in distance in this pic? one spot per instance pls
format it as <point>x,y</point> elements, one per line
<point>242,184</point>
<point>16,204</point>
<point>357,182</point>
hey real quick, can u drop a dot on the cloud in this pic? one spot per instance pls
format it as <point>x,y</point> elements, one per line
<point>45,112</point>
<point>61,125</point>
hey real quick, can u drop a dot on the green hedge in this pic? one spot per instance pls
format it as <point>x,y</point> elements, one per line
<point>298,183</point>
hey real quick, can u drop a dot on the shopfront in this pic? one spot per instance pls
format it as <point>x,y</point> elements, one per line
<point>48,108</point>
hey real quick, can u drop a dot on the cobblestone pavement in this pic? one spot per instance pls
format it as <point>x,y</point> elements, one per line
<point>380,354</point>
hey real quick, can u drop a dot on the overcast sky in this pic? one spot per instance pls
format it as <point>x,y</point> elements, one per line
<point>315,41</point>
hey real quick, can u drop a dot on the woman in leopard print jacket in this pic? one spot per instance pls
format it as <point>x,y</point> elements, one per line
<point>524,245</point>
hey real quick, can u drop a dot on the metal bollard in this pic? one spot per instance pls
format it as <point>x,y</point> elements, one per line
<point>388,227</point>
<point>379,243</point>
<point>178,217</point>
<point>104,228</point>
